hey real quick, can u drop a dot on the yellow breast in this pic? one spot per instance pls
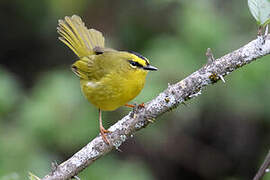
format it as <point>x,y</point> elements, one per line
<point>113,90</point>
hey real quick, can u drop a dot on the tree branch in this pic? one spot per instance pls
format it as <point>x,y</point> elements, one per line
<point>264,167</point>
<point>169,99</point>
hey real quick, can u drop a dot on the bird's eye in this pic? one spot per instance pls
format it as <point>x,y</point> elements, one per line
<point>134,64</point>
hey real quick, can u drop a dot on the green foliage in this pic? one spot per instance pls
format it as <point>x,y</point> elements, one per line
<point>267,176</point>
<point>56,106</point>
<point>52,120</point>
<point>113,169</point>
<point>33,177</point>
<point>260,10</point>
<point>10,92</point>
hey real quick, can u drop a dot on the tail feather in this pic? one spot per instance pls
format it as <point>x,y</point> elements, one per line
<point>77,37</point>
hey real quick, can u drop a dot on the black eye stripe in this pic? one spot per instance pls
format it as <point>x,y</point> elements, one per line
<point>134,63</point>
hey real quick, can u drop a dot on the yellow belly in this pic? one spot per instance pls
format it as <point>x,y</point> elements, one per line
<point>113,91</point>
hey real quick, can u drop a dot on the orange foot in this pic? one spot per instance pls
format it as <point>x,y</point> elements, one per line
<point>103,132</point>
<point>133,106</point>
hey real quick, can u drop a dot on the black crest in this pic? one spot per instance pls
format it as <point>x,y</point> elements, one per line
<point>137,54</point>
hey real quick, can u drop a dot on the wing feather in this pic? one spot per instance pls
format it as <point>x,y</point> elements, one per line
<point>78,37</point>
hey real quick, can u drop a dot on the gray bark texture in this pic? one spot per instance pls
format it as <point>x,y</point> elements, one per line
<point>264,168</point>
<point>140,117</point>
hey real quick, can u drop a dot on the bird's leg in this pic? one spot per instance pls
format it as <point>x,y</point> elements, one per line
<point>133,106</point>
<point>102,129</point>
<point>130,105</point>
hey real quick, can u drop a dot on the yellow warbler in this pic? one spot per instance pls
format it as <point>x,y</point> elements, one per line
<point>109,78</point>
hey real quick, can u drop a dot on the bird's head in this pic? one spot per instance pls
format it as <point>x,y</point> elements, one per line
<point>138,62</point>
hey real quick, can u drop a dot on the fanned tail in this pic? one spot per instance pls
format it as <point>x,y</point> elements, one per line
<point>77,37</point>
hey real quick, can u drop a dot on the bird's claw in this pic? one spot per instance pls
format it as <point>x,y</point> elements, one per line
<point>103,132</point>
<point>133,106</point>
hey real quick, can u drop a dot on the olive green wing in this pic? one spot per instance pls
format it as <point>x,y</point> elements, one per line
<point>101,64</point>
<point>78,37</point>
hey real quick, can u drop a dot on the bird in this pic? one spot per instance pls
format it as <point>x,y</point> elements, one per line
<point>108,78</point>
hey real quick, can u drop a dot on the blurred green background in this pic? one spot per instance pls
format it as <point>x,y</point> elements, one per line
<point>223,134</point>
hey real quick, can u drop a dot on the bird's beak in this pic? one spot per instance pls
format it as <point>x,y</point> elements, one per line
<point>150,68</point>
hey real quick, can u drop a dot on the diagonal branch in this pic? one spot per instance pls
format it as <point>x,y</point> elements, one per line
<point>264,167</point>
<point>174,95</point>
